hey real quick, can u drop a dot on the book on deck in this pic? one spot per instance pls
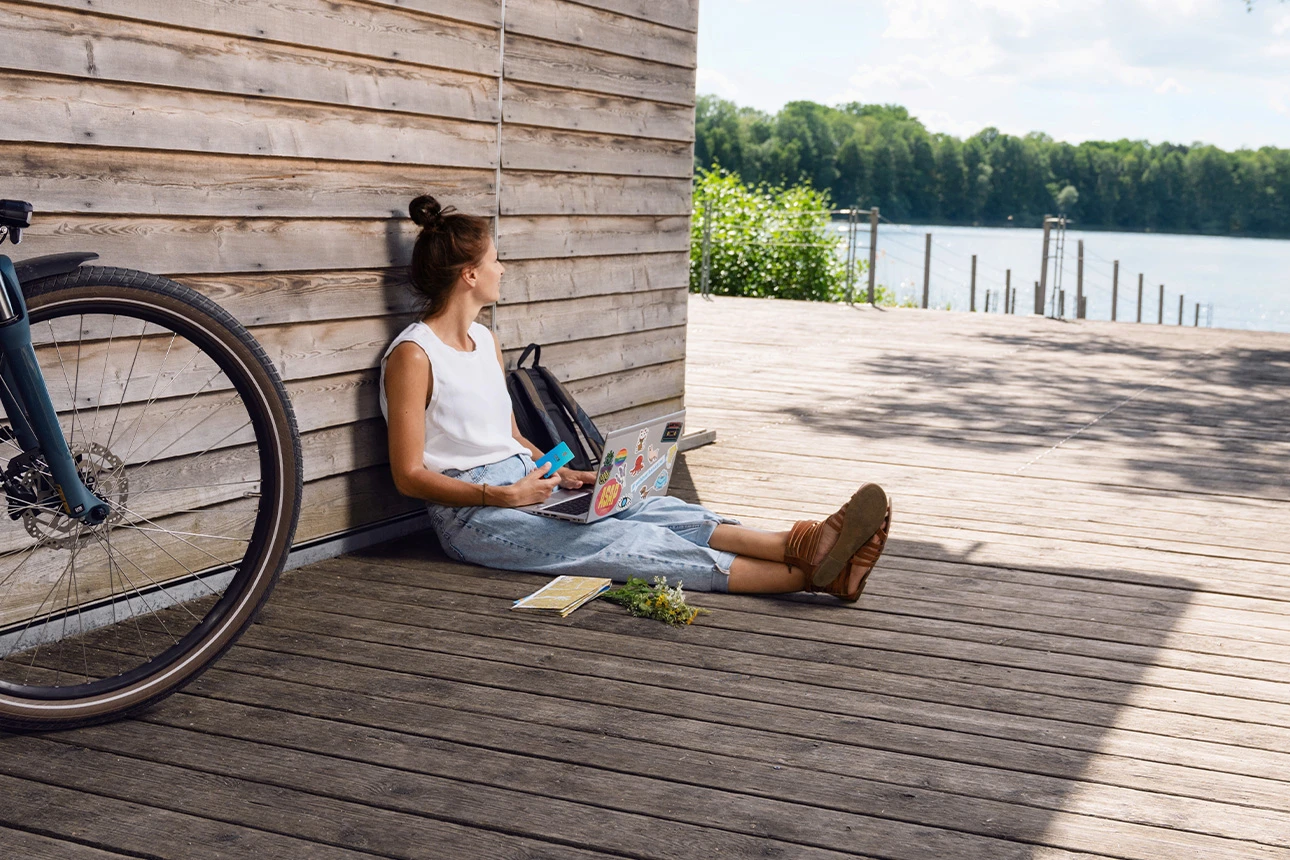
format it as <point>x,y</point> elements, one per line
<point>563,594</point>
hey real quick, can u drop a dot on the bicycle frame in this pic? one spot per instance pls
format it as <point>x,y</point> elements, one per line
<point>26,401</point>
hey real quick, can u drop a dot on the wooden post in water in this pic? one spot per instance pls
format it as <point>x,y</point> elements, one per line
<point>972,290</point>
<point>1139,297</point>
<point>1079,282</point>
<point>1196,322</point>
<point>873,249</point>
<point>1041,285</point>
<point>1160,307</point>
<point>1180,308</point>
<point>1007,291</point>
<point>927,270</point>
<point>1115,288</point>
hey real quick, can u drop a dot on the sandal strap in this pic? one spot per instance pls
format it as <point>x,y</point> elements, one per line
<point>802,541</point>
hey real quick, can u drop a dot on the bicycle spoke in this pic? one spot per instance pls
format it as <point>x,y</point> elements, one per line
<point>186,534</point>
<point>191,487</point>
<point>35,615</point>
<point>161,587</point>
<point>58,350</point>
<point>168,531</point>
<point>143,598</point>
<point>153,394</point>
<point>129,374</point>
<point>13,399</point>
<point>235,399</point>
<point>107,355</point>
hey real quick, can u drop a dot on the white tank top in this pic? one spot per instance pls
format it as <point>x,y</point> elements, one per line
<point>468,421</point>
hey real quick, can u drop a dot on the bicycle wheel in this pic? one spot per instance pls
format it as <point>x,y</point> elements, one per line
<point>179,422</point>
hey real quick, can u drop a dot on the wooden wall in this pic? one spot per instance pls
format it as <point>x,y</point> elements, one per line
<point>264,152</point>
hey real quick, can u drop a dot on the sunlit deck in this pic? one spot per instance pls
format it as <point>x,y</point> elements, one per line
<point>1077,644</point>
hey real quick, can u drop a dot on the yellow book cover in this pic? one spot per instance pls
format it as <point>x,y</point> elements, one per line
<point>563,594</point>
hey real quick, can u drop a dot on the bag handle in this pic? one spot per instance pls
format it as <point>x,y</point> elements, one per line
<point>537,355</point>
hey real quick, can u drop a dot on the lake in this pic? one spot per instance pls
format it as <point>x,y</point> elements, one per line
<point>1247,281</point>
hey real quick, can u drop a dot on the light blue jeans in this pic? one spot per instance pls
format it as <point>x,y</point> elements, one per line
<point>662,536</point>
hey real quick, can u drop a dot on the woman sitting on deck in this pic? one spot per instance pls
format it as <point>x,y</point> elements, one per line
<point>454,443</point>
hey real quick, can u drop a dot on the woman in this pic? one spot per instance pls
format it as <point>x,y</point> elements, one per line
<point>454,443</point>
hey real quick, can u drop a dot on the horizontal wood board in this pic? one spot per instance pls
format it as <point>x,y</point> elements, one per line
<point>264,151</point>
<point>1084,654</point>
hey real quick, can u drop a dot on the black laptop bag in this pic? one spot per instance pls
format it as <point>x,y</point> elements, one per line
<point>547,414</point>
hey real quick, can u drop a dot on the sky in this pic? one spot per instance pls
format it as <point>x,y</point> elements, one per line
<point>1183,71</point>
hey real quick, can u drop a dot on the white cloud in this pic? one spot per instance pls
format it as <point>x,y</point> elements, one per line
<point>716,83</point>
<point>1180,70</point>
<point>901,76</point>
<point>942,122</point>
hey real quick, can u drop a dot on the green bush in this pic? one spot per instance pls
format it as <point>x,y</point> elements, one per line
<point>768,241</point>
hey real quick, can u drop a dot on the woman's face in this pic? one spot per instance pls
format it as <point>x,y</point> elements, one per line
<point>486,275</point>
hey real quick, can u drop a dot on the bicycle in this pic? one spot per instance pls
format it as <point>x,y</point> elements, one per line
<point>152,480</point>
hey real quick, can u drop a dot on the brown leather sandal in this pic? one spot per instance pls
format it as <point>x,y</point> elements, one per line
<point>851,582</point>
<point>855,523</point>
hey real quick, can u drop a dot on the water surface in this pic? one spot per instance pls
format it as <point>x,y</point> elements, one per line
<point>1247,281</point>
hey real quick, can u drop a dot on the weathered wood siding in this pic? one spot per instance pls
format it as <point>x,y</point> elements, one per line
<point>265,152</point>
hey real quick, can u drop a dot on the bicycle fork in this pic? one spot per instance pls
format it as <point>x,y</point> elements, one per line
<point>26,401</point>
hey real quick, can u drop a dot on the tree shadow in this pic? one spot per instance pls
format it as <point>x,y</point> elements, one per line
<point>1169,415</point>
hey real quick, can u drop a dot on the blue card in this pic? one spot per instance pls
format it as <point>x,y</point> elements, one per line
<point>555,458</point>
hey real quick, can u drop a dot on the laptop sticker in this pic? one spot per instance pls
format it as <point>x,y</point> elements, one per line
<point>606,470</point>
<point>640,442</point>
<point>624,502</point>
<point>671,455</point>
<point>638,465</point>
<point>662,480</point>
<point>607,496</point>
<point>643,480</point>
<point>653,453</point>
<point>672,432</point>
<point>644,493</point>
<point>620,457</point>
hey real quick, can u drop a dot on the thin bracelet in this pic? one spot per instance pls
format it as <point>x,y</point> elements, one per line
<point>483,495</point>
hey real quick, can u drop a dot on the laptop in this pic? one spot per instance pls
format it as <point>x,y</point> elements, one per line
<point>635,464</point>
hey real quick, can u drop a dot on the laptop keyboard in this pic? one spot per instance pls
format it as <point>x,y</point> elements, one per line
<point>580,505</point>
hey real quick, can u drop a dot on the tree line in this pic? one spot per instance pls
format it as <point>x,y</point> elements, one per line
<point>879,155</point>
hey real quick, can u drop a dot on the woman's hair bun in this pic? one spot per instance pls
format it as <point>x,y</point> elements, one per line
<point>426,211</point>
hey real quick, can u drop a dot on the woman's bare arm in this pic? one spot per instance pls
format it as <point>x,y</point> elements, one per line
<point>408,383</point>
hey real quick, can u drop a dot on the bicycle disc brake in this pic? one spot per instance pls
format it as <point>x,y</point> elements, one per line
<point>30,491</point>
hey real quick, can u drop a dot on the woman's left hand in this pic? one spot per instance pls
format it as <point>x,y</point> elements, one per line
<point>572,480</point>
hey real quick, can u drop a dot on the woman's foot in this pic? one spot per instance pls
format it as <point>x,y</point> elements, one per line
<point>827,550</point>
<point>851,582</point>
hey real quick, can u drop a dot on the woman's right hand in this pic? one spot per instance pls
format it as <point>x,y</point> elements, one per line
<point>532,489</point>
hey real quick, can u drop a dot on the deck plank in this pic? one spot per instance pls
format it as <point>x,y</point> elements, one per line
<point>1077,644</point>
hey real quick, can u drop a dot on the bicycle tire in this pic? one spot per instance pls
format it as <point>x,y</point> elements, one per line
<point>114,645</point>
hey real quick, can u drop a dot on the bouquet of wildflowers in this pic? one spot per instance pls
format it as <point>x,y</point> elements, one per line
<point>658,601</point>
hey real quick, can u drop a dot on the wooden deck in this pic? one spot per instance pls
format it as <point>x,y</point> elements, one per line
<point>1077,645</point>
